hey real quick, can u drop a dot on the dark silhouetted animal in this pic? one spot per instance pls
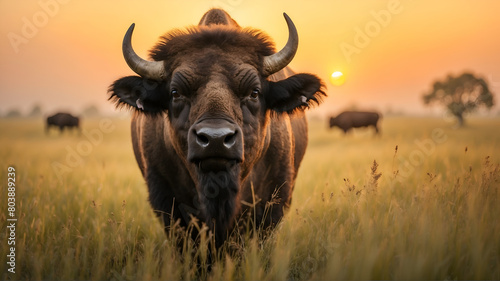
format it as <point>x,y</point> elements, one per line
<point>219,122</point>
<point>62,120</point>
<point>355,119</point>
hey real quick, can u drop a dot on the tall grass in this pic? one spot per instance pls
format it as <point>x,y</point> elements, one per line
<point>361,209</point>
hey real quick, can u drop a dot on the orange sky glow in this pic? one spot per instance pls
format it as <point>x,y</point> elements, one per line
<point>63,54</point>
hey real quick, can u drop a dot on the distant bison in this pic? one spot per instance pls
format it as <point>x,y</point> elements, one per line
<point>62,120</point>
<point>355,119</point>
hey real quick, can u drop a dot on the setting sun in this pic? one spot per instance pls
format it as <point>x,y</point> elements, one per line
<point>337,78</point>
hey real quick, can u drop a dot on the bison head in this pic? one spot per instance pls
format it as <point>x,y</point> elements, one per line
<point>214,87</point>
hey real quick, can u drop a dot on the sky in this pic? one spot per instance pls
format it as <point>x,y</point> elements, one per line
<point>63,54</point>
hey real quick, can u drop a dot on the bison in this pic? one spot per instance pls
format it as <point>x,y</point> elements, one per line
<point>62,120</point>
<point>355,119</point>
<point>218,127</point>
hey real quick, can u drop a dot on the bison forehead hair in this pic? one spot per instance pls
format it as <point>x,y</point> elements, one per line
<point>228,39</point>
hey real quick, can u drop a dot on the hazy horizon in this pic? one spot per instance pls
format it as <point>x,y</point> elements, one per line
<point>63,55</point>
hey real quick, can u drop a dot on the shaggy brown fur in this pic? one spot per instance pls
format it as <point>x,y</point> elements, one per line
<point>215,77</point>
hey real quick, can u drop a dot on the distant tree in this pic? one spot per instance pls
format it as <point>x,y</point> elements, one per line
<point>460,95</point>
<point>36,111</point>
<point>13,113</point>
<point>90,111</point>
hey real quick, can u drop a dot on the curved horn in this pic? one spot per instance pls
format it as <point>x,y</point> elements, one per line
<point>279,60</point>
<point>149,69</point>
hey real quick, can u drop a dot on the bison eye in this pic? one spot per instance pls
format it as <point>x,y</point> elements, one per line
<point>255,93</point>
<point>175,93</point>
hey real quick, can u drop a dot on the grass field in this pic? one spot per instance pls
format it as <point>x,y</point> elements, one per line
<point>421,201</point>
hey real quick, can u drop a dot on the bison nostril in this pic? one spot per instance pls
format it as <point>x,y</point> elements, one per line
<point>230,140</point>
<point>202,140</point>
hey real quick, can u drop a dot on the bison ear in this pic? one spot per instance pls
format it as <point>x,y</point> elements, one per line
<point>297,92</point>
<point>139,93</point>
